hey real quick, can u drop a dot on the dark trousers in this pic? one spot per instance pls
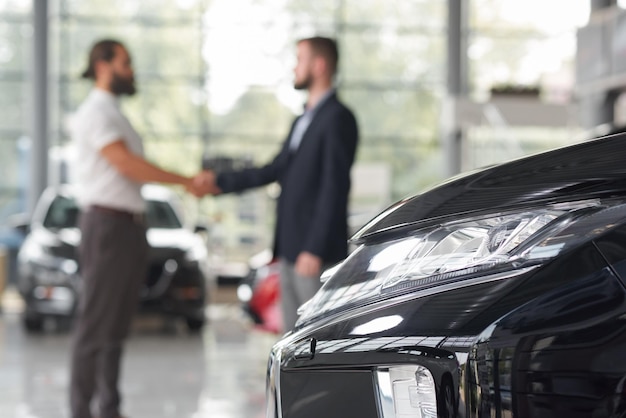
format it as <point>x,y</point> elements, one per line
<point>113,261</point>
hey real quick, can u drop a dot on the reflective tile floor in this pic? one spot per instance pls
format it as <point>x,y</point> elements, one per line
<point>167,372</point>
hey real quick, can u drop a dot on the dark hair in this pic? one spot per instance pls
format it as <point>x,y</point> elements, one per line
<point>326,48</point>
<point>103,50</point>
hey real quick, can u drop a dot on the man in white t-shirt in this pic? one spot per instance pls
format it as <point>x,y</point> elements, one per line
<point>113,251</point>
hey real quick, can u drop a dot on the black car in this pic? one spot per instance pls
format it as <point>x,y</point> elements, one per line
<point>500,293</point>
<point>49,274</point>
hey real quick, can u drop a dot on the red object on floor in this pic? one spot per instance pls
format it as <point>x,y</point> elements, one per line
<point>265,301</point>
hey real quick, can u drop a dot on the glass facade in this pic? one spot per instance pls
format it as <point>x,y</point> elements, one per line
<point>530,52</point>
<point>15,61</point>
<point>215,80</point>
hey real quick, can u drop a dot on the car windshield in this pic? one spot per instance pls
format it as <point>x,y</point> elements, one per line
<point>63,213</point>
<point>160,214</point>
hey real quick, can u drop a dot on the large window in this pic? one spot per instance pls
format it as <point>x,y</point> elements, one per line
<point>522,51</point>
<point>15,92</point>
<point>215,79</point>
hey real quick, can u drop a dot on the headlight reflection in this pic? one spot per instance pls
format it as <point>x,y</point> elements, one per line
<point>500,242</point>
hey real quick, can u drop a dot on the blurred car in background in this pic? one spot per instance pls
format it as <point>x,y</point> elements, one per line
<point>500,293</point>
<point>259,292</point>
<point>48,271</point>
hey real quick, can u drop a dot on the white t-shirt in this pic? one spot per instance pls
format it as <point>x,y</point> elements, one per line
<point>99,122</point>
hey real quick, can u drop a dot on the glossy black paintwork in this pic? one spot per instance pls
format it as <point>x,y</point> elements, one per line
<point>582,171</point>
<point>558,355</point>
<point>548,343</point>
<point>613,247</point>
<point>562,340</point>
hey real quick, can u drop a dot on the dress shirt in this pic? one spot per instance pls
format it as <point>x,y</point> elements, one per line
<point>97,123</point>
<point>304,121</point>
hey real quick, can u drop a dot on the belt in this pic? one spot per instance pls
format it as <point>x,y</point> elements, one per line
<point>137,217</point>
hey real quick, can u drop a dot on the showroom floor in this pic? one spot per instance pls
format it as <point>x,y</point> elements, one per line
<point>167,372</point>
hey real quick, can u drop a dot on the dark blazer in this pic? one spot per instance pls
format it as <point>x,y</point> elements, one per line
<point>315,182</point>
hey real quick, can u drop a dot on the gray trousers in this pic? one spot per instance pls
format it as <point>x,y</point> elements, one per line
<point>113,261</point>
<point>294,291</point>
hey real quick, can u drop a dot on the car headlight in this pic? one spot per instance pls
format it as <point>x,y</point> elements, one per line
<point>406,391</point>
<point>69,267</point>
<point>499,243</point>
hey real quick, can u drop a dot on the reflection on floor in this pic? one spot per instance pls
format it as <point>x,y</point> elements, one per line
<point>219,373</point>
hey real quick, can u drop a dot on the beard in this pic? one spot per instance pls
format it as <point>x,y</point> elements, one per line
<point>303,84</point>
<point>120,85</point>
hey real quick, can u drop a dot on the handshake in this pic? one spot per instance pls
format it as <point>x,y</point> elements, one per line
<point>202,184</point>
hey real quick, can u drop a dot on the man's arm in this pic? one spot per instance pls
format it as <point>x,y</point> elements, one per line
<point>236,181</point>
<point>138,169</point>
<point>247,178</point>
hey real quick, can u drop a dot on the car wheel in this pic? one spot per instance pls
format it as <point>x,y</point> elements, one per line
<point>194,324</point>
<point>447,403</point>
<point>33,322</point>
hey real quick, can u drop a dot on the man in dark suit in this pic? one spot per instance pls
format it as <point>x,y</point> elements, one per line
<point>313,170</point>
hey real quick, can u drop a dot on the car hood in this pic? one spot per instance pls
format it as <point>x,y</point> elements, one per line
<point>590,169</point>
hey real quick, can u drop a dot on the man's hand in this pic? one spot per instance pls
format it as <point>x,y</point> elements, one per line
<point>308,264</point>
<point>203,183</point>
<point>136,168</point>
